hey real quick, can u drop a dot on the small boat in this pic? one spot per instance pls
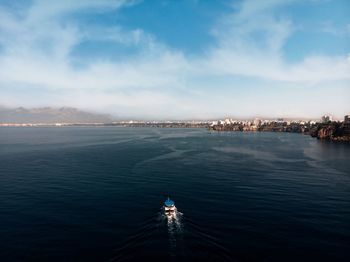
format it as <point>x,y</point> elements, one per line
<point>169,206</point>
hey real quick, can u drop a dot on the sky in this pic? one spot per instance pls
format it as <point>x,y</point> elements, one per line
<point>178,59</point>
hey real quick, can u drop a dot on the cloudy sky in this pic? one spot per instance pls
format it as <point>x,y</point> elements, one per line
<point>173,59</point>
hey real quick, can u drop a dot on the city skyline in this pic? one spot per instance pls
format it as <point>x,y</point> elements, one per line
<point>178,59</point>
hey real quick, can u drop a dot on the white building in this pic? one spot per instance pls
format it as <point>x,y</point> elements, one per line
<point>227,121</point>
<point>257,122</point>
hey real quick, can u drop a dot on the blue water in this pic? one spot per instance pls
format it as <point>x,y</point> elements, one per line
<point>95,194</point>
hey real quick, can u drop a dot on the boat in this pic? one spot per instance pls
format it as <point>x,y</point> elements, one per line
<point>169,206</point>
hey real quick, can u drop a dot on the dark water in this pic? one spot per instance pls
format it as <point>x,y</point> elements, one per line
<point>94,194</point>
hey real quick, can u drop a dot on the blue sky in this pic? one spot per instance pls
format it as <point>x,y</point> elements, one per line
<point>173,59</point>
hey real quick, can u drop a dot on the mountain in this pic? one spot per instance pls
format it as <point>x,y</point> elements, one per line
<point>49,115</point>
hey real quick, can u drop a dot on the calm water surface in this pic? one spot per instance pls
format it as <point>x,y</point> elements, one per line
<point>95,194</point>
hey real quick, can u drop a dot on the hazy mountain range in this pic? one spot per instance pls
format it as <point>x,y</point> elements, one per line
<point>49,115</point>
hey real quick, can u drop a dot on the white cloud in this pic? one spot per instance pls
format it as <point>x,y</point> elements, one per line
<point>339,31</point>
<point>241,52</point>
<point>43,10</point>
<point>253,8</point>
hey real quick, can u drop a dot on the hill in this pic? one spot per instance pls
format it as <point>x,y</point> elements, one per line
<point>49,115</point>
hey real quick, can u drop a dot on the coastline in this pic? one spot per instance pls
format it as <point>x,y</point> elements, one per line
<point>332,131</point>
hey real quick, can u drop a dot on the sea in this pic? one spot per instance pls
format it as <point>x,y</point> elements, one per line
<point>96,194</point>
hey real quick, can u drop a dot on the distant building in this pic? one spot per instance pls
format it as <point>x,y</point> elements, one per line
<point>326,119</point>
<point>347,119</point>
<point>227,121</point>
<point>257,122</point>
<point>346,125</point>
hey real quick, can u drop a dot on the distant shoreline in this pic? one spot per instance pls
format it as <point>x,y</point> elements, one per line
<point>117,124</point>
<point>332,131</point>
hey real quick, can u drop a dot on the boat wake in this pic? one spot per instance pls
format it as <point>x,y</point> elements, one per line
<point>175,236</point>
<point>173,221</point>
